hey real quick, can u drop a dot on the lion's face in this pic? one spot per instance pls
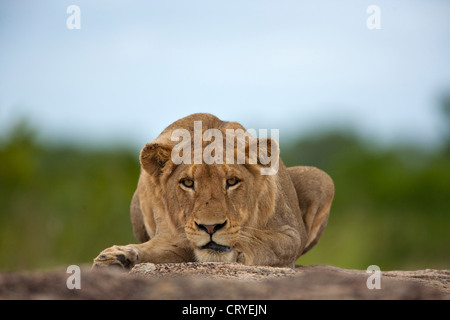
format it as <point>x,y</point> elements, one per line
<point>213,202</point>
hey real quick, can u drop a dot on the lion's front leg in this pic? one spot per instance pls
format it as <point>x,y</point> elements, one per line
<point>157,250</point>
<point>276,248</point>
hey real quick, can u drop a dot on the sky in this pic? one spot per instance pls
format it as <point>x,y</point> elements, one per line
<point>134,67</point>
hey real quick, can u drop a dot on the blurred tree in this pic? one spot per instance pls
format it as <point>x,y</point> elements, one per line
<point>446,115</point>
<point>60,204</point>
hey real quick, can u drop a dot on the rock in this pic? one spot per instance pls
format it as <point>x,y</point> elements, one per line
<point>225,281</point>
<point>433,278</point>
<point>212,270</point>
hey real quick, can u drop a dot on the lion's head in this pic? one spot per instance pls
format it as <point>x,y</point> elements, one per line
<point>215,203</point>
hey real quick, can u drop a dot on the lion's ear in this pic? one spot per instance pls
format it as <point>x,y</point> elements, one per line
<point>154,158</point>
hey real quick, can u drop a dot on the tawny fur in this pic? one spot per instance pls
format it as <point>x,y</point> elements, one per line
<point>269,219</point>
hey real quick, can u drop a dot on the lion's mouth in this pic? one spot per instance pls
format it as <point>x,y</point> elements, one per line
<point>217,247</point>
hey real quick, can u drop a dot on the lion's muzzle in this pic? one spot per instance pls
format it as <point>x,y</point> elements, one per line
<point>210,230</point>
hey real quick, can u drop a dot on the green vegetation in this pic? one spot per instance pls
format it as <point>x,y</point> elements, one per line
<point>61,205</point>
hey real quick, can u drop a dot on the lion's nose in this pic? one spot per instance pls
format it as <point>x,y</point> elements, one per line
<point>210,228</point>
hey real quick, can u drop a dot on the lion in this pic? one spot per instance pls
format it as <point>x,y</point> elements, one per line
<point>221,212</point>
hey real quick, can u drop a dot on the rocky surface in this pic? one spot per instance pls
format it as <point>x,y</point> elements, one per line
<point>212,270</point>
<point>225,281</point>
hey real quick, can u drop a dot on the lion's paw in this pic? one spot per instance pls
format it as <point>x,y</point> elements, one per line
<point>124,257</point>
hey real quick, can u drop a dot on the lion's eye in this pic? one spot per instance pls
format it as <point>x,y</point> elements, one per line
<point>232,182</point>
<point>188,183</point>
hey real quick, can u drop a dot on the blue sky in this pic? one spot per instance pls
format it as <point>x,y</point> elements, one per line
<point>298,66</point>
